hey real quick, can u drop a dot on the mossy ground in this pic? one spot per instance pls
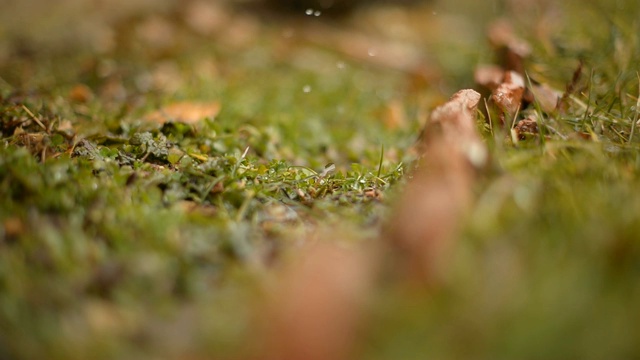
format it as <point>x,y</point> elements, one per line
<point>123,239</point>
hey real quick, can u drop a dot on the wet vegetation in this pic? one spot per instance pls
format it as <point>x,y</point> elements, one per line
<point>160,164</point>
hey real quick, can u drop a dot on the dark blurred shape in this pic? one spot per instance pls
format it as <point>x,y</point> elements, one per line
<point>332,7</point>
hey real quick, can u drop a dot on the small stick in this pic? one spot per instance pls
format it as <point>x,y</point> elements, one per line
<point>34,118</point>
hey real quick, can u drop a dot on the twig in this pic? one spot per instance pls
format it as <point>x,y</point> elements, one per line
<point>34,118</point>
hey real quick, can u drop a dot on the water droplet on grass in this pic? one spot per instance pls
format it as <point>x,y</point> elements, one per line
<point>309,12</point>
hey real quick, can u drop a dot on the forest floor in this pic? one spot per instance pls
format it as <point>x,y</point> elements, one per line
<point>164,166</point>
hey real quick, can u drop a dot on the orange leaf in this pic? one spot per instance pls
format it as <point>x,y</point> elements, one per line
<point>184,112</point>
<point>315,309</point>
<point>508,95</point>
<point>430,210</point>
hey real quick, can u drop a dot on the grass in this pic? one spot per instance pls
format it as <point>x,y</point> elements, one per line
<point>146,241</point>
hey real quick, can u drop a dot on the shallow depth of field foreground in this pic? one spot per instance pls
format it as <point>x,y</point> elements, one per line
<point>319,180</point>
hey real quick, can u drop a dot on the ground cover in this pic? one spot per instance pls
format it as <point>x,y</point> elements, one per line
<point>160,165</point>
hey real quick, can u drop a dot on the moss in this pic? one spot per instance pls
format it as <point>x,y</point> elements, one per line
<point>125,239</point>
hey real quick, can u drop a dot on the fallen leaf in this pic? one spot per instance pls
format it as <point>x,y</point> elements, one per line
<point>508,95</point>
<point>546,96</point>
<point>184,112</point>
<point>511,49</point>
<point>80,93</point>
<point>489,76</point>
<point>65,126</point>
<point>315,310</point>
<point>430,210</point>
<point>526,127</point>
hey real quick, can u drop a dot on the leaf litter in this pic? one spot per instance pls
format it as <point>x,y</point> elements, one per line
<point>184,112</point>
<point>435,199</point>
<point>515,97</point>
<point>319,301</point>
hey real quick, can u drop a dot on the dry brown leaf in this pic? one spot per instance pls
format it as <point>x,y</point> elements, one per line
<point>66,128</point>
<point>185,112</point>
<point>511,49</point>
<point>546,97</point>
<point>489,76</point>
<point>80,93</point>
<point>526,127</point>
<point>315,310</point>
<point>508,95</point>
<point>429,212</point>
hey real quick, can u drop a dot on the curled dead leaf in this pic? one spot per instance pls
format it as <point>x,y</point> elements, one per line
<point>315,309</point>
<point>184,112</point>
<point>508,95</point>
<point>546,96</point>
<point>428,214</point>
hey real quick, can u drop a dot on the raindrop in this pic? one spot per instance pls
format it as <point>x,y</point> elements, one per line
<point>317,13</point>
<point>309,12</point>
<point>306,89</point>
